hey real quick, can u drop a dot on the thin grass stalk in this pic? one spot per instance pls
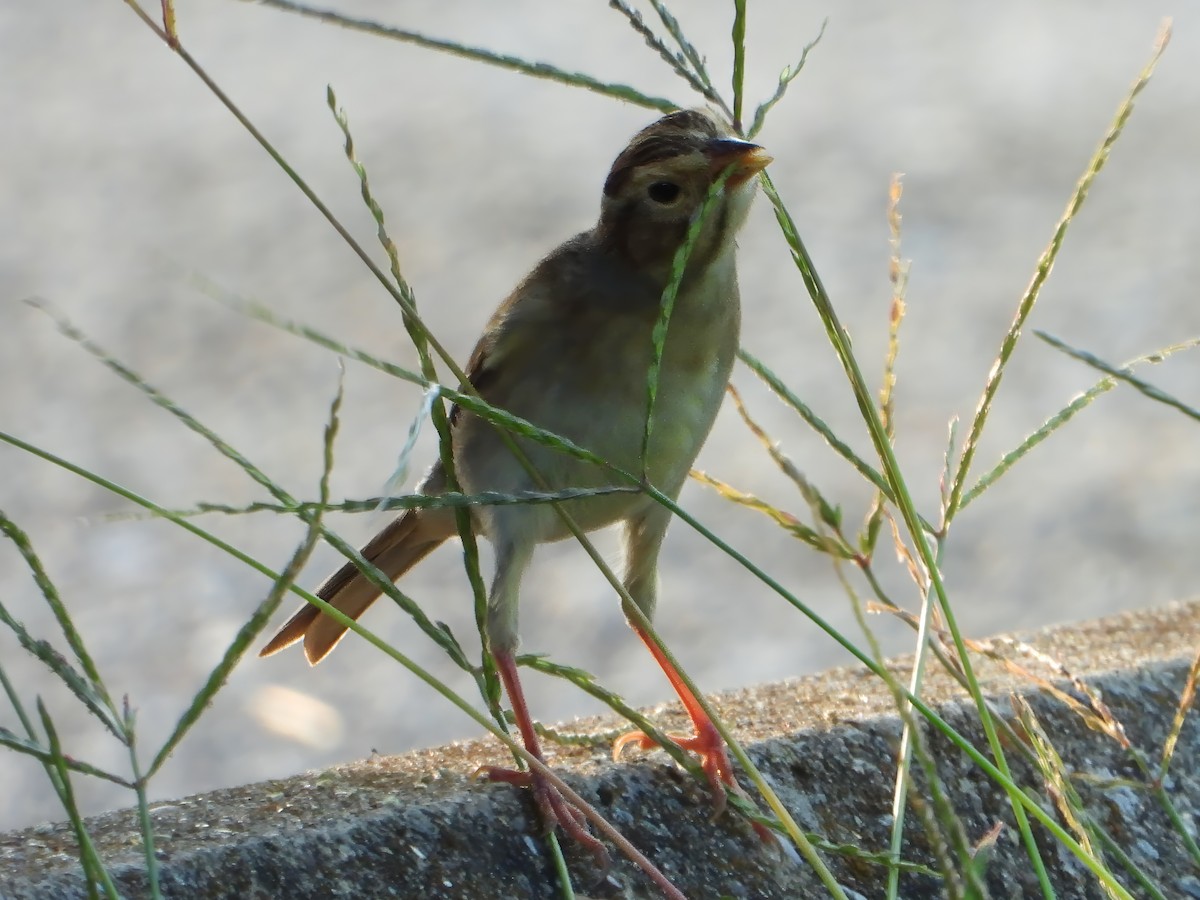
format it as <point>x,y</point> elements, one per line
<point>693,56</point>
<point>1124,374</point>
<point>1042,272</point>
<point>30,746</point>
<point>140,783</point>
<point>1158,790</point>
<point>738,37</point>
<point>781,390</point>
<point>48,590</point>
<point>18,707</point>
<point>1002,778</point>
<point>786,77</point>
<point>296,179</point>
<point>913,522</point>
<point>937,838</point>
<point>658,335</point>
<point>912,745</point>
<point>1048,758</point>
<point>377,504</point>
<point>587,683</point>
<point>475,54</point>
<point>1118,852</point>
<point>1187,697</point>
<point>442,689</point>
<point>57,768</point>
<point>483,409</point>
<point>908,736</point>
<point>120,491</point>
<point>439,634</point>
<point>371,638</point>
<point>1097,716</point>
<point>898,275</point>
<point>280,586</point>
<point>1064,415</point>
<point>1058,784</point>
<point>419,336</point>
<point>1181,828</point>
<point>87,688</point>
<point>682,66</point>
<point>784,520</point>
<point>94,870</point>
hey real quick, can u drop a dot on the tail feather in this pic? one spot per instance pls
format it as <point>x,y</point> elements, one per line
<point>396,549</point>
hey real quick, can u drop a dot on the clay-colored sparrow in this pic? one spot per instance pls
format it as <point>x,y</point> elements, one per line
<point>569,351</point>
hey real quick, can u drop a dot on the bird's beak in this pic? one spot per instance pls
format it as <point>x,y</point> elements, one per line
<point>744,158</point>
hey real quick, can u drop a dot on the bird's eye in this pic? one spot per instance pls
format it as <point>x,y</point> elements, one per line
<point>663,191</point>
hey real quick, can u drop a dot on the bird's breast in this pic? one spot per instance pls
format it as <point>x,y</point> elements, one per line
<point>581,372</point>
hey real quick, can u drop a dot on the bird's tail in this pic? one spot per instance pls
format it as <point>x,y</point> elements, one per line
<point>400,546</point>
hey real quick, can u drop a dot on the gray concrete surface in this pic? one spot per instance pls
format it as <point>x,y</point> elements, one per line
<point>118,167</point>
<point>415,826</point>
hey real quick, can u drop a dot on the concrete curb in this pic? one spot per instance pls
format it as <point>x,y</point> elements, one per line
<point>416,826</point>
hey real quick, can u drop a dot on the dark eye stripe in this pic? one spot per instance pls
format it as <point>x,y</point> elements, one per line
<point>653,149</point>
<point>677,134</point>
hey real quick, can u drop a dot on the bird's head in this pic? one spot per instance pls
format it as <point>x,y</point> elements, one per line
<point>658,184</point>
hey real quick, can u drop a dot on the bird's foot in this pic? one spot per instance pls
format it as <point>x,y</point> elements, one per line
<point>706,744</point>
<point>554,807</point>
<point>714,760</point>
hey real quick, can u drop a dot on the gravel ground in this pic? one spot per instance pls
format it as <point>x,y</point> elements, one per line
<point>122,174</point>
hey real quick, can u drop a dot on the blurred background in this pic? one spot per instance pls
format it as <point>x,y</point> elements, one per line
<point>121,170</point>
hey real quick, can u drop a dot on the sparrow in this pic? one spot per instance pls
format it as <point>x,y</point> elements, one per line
<point>570,351</point>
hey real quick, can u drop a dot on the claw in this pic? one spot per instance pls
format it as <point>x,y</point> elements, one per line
<point>706,744</point>
<point>556,810</point>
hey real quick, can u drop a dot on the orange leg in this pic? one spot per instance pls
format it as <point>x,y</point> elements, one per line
<point>707,742</point>
<point>554,807</point>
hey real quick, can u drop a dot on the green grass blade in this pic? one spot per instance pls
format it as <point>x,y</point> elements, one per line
<point>898,275</point>
<point>738,37</point>
<point>386,504</point>
<point>1123,373</point>
<point>44,755</point>
<point>692,55</point>
<point>94,870</point>
<point>440,634</point>
<point>416,332</point>
<point>678,63</point>
<point>436,410</point>
<point>1042,272</point>
<point>1064,415</point>
<point>781,390</point>
<point>783,519</point>
<point>21,541</point>
<point>250,631</point>
<point>89,690</point>
<point>667,305</point>
<point>914,523</point>
<point>824,511</point>
<point>476,54</point>
<point>786,77</point>
<point>145,823</point>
